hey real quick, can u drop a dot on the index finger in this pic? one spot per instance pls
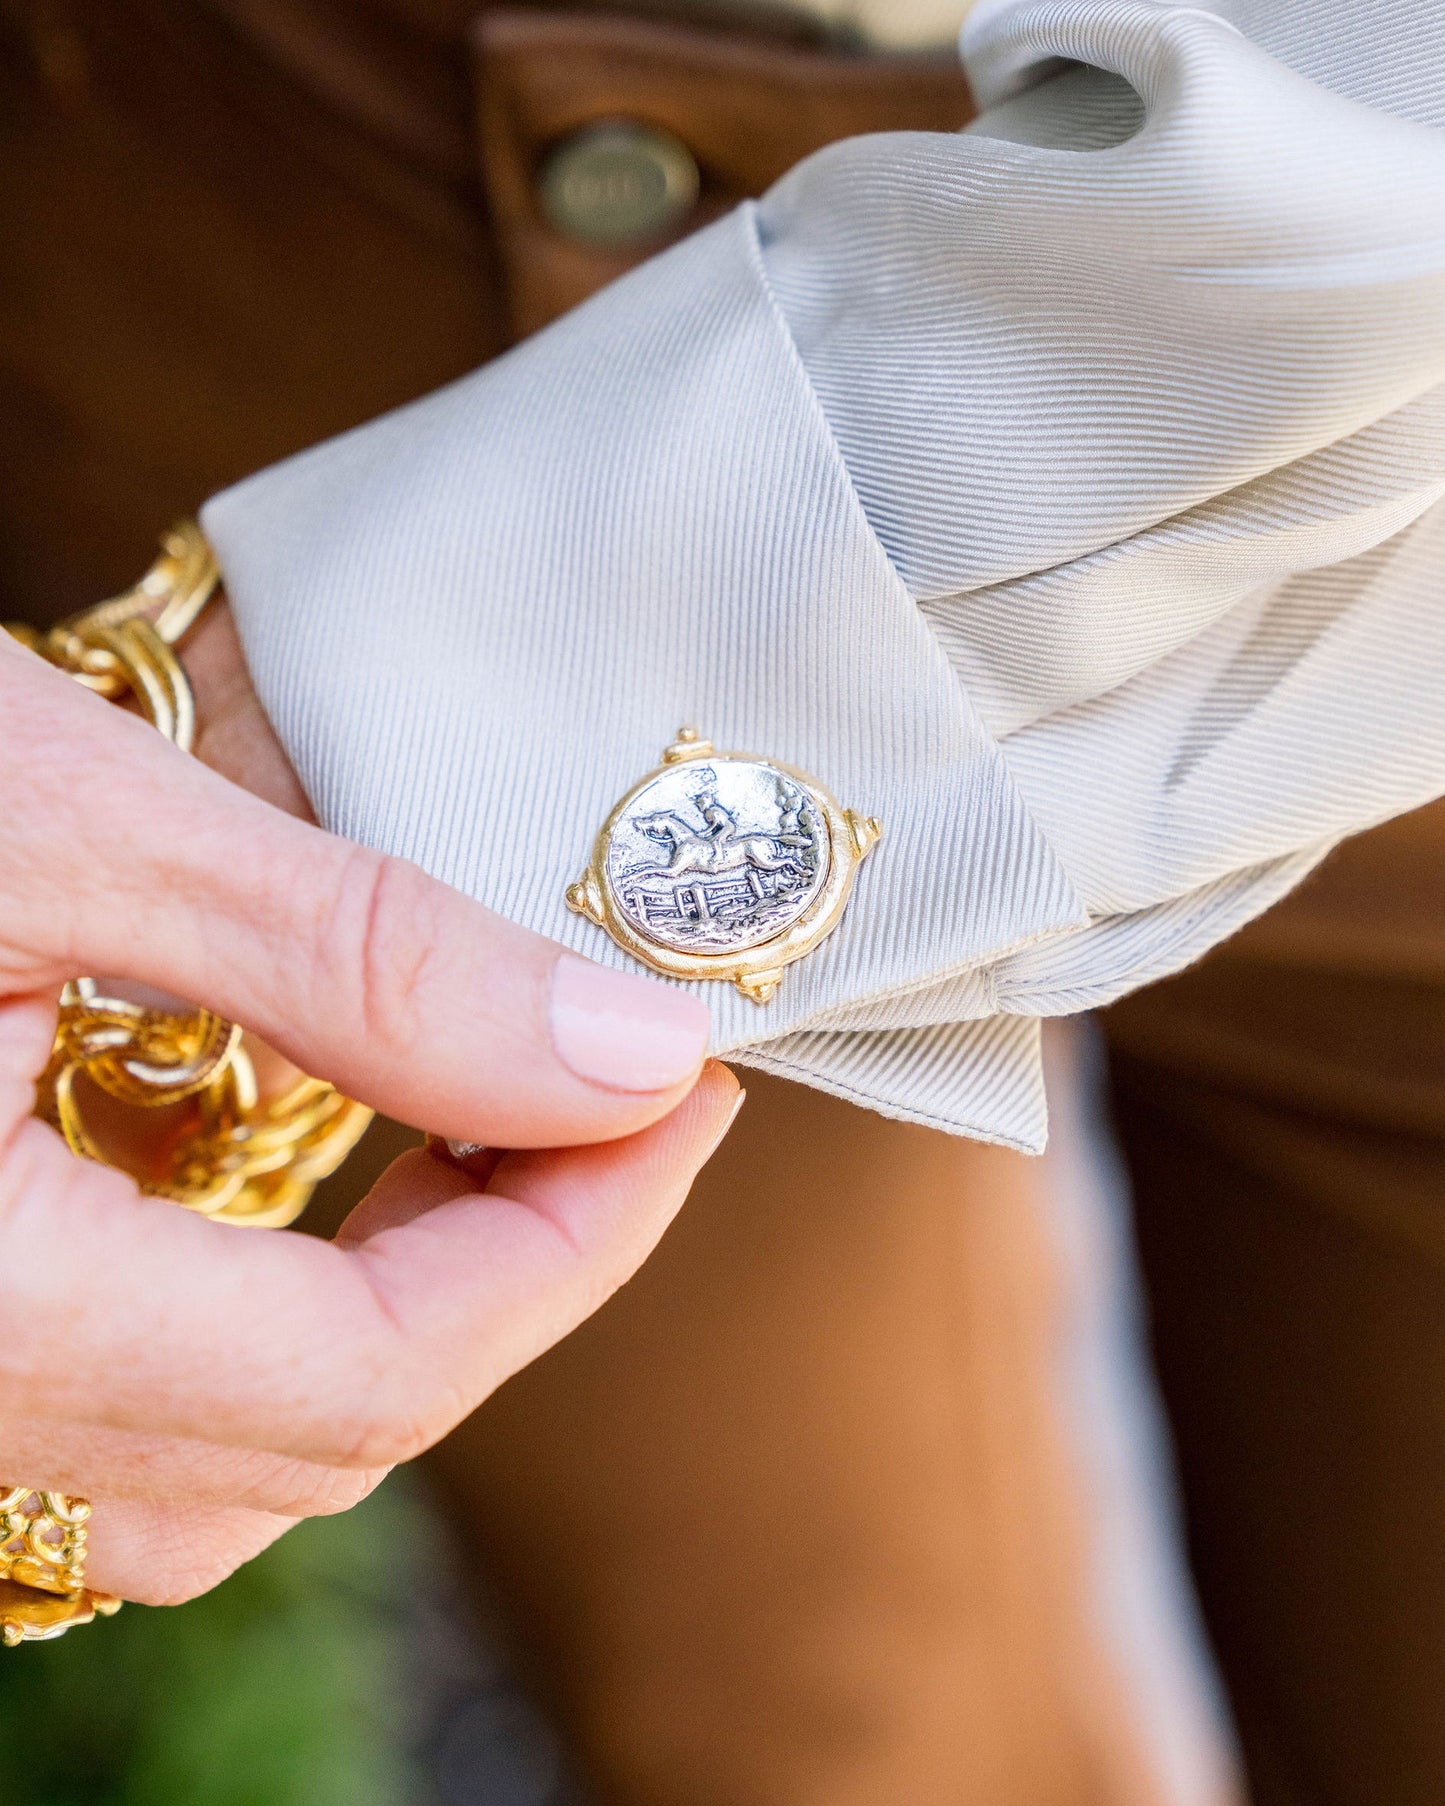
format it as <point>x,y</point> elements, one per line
<point>360,968</point>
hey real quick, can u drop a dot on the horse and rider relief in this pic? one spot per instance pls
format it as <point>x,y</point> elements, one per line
<point>718,857</point>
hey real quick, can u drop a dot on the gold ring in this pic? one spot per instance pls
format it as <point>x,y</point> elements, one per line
<point>42,1566</point>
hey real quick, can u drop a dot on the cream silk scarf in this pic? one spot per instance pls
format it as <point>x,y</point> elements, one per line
<point>1063,493</point>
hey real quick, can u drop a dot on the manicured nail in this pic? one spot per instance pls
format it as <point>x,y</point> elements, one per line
<point>722,1134</point>
<point>624,1032</point>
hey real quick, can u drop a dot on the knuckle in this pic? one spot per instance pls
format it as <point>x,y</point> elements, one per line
<point>286,1486</point>
<point>326,1494</point>
<point>51,853</point>
<point>387,906</point>
<point>401,1421</point>
<point>386,1442</point>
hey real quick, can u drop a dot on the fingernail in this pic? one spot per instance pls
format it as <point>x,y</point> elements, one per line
<point>722,1134</point>
<point>624,1032</point>
<point>473,1158</point>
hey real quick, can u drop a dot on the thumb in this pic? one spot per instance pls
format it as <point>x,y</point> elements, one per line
<point>358,967</point>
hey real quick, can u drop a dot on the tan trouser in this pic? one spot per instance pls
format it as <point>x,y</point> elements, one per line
<point>1283,1111</point>
<point>796,1518</point>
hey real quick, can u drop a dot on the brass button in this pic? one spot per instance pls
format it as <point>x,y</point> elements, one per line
<point>618,184</point>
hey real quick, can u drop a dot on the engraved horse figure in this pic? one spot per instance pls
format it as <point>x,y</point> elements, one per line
<point>713,853</point>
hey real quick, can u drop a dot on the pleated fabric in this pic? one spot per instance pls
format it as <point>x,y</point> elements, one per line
<point>1064,493</point>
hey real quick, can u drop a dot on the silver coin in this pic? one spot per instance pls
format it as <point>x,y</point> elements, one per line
<point>718,855</point>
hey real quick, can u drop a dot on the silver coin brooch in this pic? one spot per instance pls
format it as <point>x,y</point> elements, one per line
<point>723,865</point>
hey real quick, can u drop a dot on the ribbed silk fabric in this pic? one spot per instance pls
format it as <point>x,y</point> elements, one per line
<point>1063,493</point>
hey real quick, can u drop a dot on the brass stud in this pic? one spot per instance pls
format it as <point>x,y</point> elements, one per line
<point>617,184</point>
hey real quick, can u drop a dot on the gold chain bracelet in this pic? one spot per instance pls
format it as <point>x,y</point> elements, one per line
<point>222,1149</point>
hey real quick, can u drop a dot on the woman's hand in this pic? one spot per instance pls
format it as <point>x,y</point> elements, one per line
<point>205,1385</point>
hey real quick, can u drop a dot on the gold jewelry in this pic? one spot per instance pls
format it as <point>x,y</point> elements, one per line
<point>229,1153</point>
<point>42,1566</point>
<point>124,646</point>
<point>232,1155</point>
<point>723,865</point>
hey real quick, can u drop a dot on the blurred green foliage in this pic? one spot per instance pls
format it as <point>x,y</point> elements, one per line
<point>287,1686</point>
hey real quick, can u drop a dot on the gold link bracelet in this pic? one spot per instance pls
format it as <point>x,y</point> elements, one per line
<point>224,1150</point>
